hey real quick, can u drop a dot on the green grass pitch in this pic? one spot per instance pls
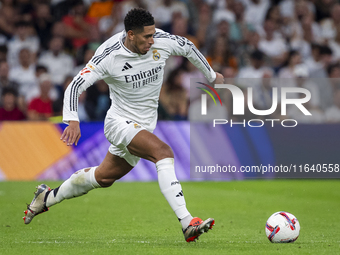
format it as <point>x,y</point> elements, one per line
<point>134,218</point>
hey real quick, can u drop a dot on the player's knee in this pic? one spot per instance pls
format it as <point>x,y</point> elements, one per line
<point>164,151</point>
<point>108,181</point>
<point>105,183</point>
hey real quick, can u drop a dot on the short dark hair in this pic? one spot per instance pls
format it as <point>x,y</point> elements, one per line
<point>257,55</point>
<point>331,68</point>
<point>3,48</point>
<point>41,68</point>
<point>325,50</point>
<point>137,19</point>
<point>9,90</point>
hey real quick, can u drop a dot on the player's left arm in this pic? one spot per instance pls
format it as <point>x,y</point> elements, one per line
<point>179,45</point>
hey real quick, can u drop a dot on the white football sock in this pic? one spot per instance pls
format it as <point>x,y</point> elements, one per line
<point>172,190</point>
<point>77,185</point>
<point>186,221</point>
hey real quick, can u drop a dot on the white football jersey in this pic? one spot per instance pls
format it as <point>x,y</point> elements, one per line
<point>134,80</point>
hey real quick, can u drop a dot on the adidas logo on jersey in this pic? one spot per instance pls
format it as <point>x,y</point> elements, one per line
<point>126,66</point>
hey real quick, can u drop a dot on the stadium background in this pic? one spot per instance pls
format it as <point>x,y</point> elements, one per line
<point>33,151</point>
<point>255,39</point>
<point>43,44</point>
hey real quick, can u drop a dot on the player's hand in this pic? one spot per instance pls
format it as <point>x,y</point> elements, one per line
<point>71,134</point>
<point>219,78</point>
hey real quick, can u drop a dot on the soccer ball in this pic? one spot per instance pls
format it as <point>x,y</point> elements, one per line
<point>282,227</point>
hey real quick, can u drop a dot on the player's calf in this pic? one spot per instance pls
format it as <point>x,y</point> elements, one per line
<point>80,183</point>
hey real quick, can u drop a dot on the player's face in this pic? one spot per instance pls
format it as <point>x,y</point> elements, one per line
<point>143,41</point>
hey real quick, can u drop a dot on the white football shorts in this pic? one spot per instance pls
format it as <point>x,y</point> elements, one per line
<point>119,132</point>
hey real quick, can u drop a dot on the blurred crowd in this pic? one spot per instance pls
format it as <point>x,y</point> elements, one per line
<point>258,44</point>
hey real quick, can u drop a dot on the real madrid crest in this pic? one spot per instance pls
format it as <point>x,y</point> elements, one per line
<point>156,56</point>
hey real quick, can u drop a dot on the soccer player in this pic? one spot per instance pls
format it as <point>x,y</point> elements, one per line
<point>132,64</point>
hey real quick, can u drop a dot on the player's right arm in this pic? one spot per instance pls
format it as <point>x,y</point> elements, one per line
<point>92,72</point>
<point>71,134</point>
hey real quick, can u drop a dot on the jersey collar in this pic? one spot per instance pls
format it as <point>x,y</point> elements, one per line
<point>122,40</point>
